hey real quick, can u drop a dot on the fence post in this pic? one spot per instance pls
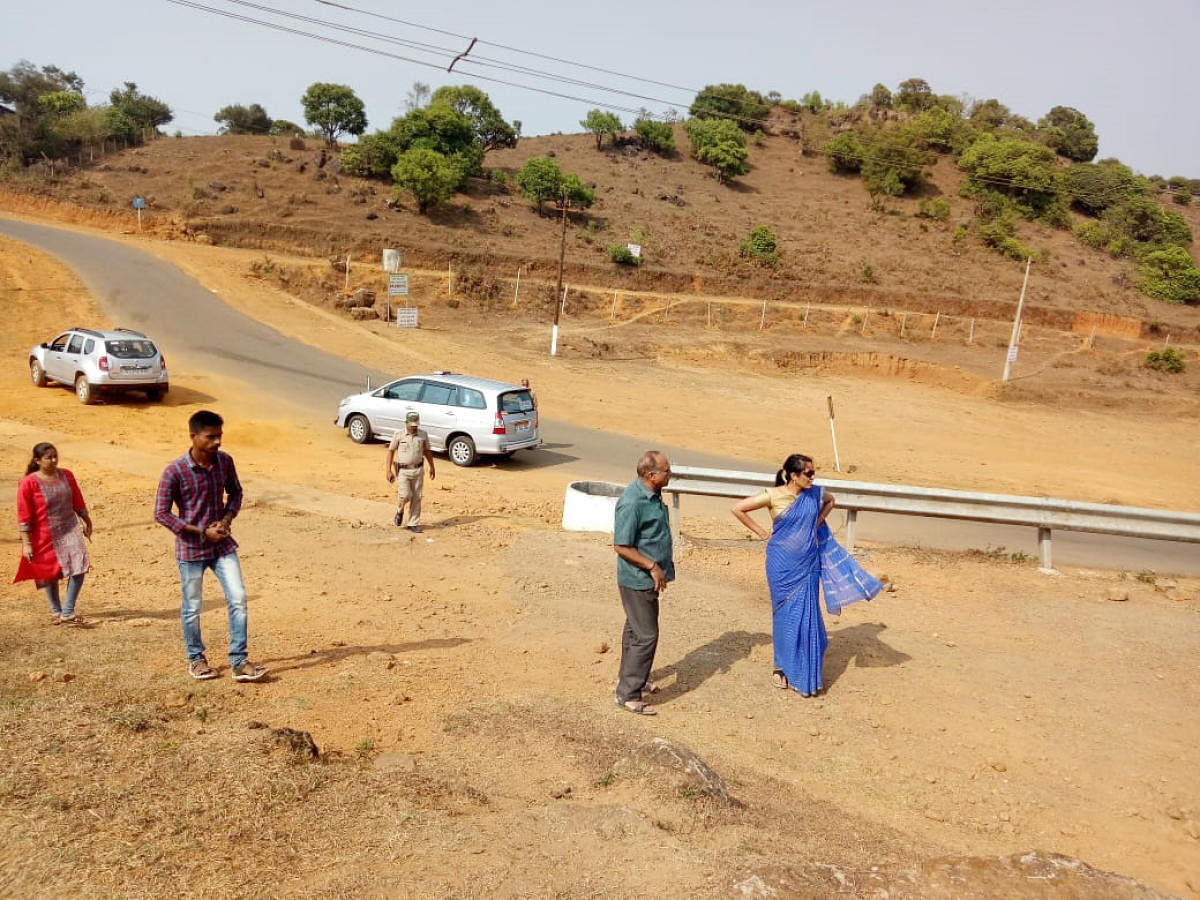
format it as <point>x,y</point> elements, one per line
<point>971,336</point>
<point>675,526</point>
<point>614,309</point>
<point>851,518</point>
<point>1044,547</point>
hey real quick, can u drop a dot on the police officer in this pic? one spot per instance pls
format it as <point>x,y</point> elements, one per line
<point>406,457</point>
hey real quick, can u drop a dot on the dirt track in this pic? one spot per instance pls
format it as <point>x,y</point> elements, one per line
<point>979,709</point>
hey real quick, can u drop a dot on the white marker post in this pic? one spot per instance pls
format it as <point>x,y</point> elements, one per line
<point>762,318</point>
<point>837,463</point>
<point>391,265</point>
<point>517,289</point>
<point>1011,356</point>
<point>346,288</point>
<point>613,315</point>
<point>971,335</point>
<point>936,319</point>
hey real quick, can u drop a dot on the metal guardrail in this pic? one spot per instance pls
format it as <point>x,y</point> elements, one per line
<point>1045,513</point>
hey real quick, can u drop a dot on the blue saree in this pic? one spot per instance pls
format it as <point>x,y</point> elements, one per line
<point>801,560</point>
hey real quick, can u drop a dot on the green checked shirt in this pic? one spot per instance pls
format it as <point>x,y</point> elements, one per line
<point>642,522</point>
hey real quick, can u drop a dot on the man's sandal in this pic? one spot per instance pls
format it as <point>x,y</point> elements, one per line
<point>637,707</point>
<point>73,619</point>
<point>249,671</point>
<point>651,687</point>
<point>199,669</point>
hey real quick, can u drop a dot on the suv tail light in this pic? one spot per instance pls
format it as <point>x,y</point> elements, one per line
<point>104,364</point>
<point>499,427</point>
<point>162,362</point>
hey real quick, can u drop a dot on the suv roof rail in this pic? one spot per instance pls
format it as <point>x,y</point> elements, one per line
<point>92,331</point>
<point>130,331</point>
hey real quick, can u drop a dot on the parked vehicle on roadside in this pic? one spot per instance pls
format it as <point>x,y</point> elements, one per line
<point>93,361</point>
<point>464,416</point>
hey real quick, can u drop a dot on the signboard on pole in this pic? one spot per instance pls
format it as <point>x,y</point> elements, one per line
<point>391,260</point>
<point>406,317</point>
<point>139,203</point>
<point>636,250</point>
<point>397,285</point>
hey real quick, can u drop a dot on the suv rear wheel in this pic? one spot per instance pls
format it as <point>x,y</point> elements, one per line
<point>155,394</point>
<point>461,450</point>
<point>37,374</point>
<point>83,390</point>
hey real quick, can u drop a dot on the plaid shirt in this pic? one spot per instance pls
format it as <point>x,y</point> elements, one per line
<point>199,494</point>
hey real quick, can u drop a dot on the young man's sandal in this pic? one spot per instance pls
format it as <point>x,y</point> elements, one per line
<point>249,671</point>
<point>199,669</point>
<point>637,707</point>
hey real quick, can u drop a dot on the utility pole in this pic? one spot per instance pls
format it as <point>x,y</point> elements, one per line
<point>558,303</point>
<point>1011,356</point>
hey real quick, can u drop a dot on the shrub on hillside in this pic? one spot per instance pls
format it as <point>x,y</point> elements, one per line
<point>881,97</point>
<point>655,135</point>
<point>914,94</point>
<point>372,156</point>
<point>938,209</point>
<point>239,119</point>
<point>762,246</point>
<point>1171,275</point>
<point>845,154</point>
<point>892,164</point>
<point>1070,133</point>
<point>942,130</point>
<point>1000,235</point>
<point>1020,169</point>
<point>718,143</point>
<point>427,174</point>
<point>1148,224</point>
<point>1167,360</point>
<point>600,123</point>
<point>622,255</point>
<point>1094,187</point>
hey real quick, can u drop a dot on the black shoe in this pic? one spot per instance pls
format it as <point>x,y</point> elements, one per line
<point>396,520</point>
<point>416,528</point>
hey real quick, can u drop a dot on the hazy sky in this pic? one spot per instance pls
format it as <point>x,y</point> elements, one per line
<point>1134,69</point>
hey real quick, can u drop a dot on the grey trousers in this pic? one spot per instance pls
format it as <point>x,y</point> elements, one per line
<point>410,485</point>
<point>638,642</point>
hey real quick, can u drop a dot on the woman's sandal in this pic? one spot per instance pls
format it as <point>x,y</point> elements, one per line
<point>73,619</point>
<point>637,707</point>
<point>779,679</point>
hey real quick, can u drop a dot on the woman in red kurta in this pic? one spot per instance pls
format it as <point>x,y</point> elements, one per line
<point>49,509</point>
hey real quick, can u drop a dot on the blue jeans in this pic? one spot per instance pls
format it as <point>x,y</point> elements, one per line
<point>67,608</point>
<point>229,575</point>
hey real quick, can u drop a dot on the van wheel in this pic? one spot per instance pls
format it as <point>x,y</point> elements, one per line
<point>37,374</point>
<point>461,450</point>
<point>359,429</point>
<point>83,390</point>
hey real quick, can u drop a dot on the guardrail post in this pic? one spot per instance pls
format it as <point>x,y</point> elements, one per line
<point>851,518</point>
<point>674,516</point>
<point>1044,547</point>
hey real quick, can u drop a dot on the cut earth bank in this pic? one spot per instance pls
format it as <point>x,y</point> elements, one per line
<point>458,684</point>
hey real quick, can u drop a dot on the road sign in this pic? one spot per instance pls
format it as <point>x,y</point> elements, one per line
<point>636,250</point>
<point>406,317</point>
<point>139,202</point>
<point>391,260</point>
<point>397,285</point>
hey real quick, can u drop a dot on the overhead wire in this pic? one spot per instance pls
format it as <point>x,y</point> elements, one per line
<point>476,61</point>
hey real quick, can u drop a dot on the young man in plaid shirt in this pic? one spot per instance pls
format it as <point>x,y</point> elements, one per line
<point>203,485</point>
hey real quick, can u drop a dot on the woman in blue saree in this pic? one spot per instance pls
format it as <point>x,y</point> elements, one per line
<point>803,558</point>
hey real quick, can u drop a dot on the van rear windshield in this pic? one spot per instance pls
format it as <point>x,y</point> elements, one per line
<point>517,402</point>
<point>131,349</point>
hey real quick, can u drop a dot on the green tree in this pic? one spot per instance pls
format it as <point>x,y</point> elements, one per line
<point>540,179</point>
<point>334,109</point>
<point>1094,187</point>
<point>762,245</point>
<point>285,128</point>
<point>814,102</point>
<point>600,123</point>
<point>61,103</point>
<point>735,102</point>
<point>655,135</point>
<point>990,114</point>
<point>1019,169</point>
<point>141,109</point>
<point>372,155</point>
<point>443,128</point>
<point>576,192</point>
<point>881,97</point>
<point>427,174</point>
<point>1171,275</point>
<point>914,94</point>
<point>417,96</point>
<point>1146,225</point>
<point>1070,133</point>
<point>719,143</point>
<point>238,119</point>
<point>893,164</point>
<point>490,128</point>
<point>942,130</point>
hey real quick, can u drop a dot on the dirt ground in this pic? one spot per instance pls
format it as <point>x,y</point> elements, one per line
<point>458,683</point>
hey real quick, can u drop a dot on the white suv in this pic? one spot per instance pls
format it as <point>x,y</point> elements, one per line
<point>91,361</point>
<point>463,415</point>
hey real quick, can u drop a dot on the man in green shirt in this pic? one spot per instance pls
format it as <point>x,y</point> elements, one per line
<point>642,539</point>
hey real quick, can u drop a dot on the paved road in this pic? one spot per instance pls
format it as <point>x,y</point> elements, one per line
<point>137,290</point>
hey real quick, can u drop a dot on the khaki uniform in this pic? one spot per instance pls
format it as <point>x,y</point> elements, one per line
<point>409,462</point>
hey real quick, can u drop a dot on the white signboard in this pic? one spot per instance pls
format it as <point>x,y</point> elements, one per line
<point>636,250</point>
<point>1012,353</point>
<point>397,285</point>
<point>406,317</point>
<point>391,260</point>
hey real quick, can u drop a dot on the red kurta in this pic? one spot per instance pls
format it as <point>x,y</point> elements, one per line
<point>31,510</point>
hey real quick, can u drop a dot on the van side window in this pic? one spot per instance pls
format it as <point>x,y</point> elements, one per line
<point>89,346</point>
<point>402,390</point>
<point>60,342</point>
<point>76,343</point>
<point>438,394</point>
<point>470,398</point>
